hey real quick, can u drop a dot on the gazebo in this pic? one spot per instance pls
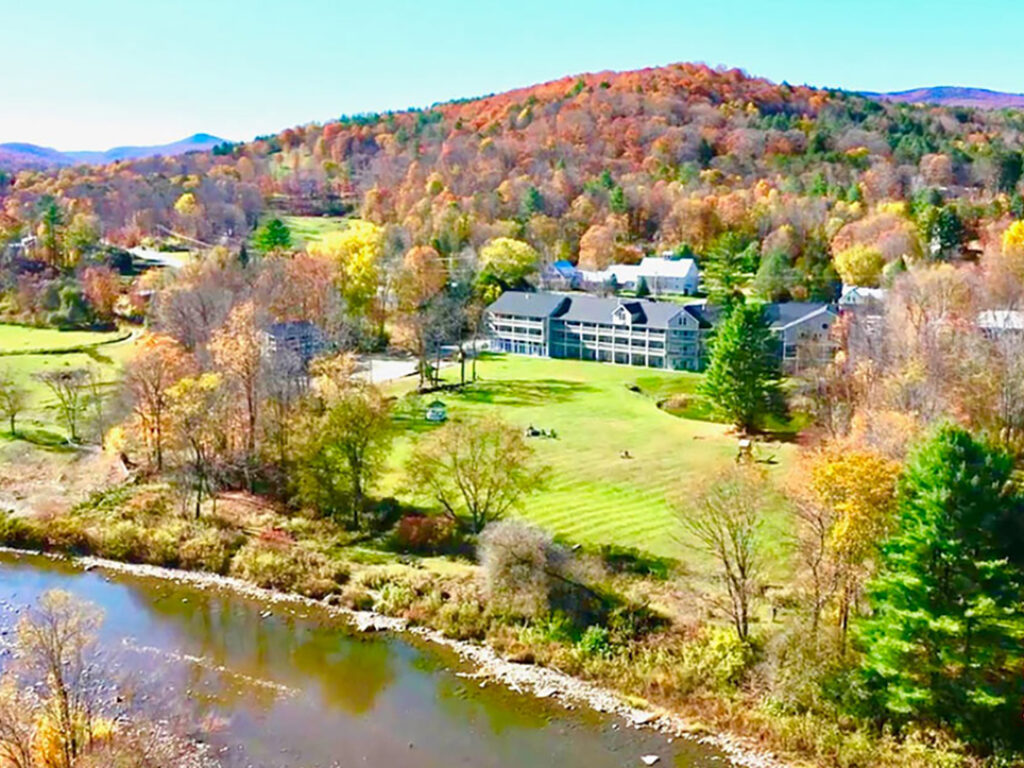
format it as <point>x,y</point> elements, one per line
<point>437,411</point>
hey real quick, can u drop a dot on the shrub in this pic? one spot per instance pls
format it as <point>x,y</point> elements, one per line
<point>426,535</point>
<point>163,543</point>
<point>296,569</point>
<point>19,532</point>
<point>515,559</point>
<point>463,618</point>
<point>205,549</point>
<point>67,534</point>
<point>356,598</point>
<point>716,659</point>
<point>596,641</point>
<point>394,598</point>
<point>123,541</point>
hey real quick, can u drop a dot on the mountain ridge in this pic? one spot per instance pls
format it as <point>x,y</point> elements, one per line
<point>952,96</point>
<point>28,156</point>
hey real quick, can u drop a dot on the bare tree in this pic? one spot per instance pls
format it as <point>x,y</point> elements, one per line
<point>69,390</point>
<point>527,574</point>
<point>726,524</point>
<point>13,399</point>
<point>55,643</point>
<point>476,470</point>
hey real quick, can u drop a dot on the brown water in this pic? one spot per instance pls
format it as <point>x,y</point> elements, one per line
<point>293,686</point>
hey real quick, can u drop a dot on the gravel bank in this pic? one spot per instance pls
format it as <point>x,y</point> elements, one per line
<point>529,679</point>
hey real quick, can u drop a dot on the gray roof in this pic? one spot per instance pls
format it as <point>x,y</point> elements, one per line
<point>592,309</point>
<point>779,315</point>
<point>654,314</point>
<point>585,309</point>
<point>535,305</point>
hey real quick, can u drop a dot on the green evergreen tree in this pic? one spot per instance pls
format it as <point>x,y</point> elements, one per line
<point>532,203</point>
<point>617,200</point>
<point>642,289</point>
<point>819,187</point>
<point>705,153</point>
<point>775,277</point>
<point>272,236</point>
<point>743,377</point>
<point>1017,205</point>
<point>727,266</point>
<point>944,640</point>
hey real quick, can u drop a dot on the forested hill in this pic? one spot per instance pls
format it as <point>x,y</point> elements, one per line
<point>594,167</point>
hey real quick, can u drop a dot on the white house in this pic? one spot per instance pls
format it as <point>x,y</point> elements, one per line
<point>662,275</point>
<point>625,276</point>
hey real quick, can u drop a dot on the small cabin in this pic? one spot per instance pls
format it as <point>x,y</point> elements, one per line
<point>437,412</point>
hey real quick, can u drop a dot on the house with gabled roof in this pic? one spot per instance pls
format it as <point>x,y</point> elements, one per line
<point>656,334</point>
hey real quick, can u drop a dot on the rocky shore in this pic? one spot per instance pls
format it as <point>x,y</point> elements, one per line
<point>529,679</point>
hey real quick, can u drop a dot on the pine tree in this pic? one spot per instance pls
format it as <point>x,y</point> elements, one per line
<point>272,236</point>
<point>943,641</point>
<point>743,378</point>
<point>642,289</point>
<point>727,266</point>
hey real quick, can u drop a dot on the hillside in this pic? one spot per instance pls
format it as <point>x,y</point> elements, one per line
<point>595,168</point>
<point>20,156</point>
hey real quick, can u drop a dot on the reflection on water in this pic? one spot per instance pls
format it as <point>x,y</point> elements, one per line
<point>295,687</point>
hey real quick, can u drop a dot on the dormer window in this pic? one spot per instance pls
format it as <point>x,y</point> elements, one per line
<point>621,316</point>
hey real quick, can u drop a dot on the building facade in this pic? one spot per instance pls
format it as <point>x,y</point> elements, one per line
<point>661,274</point>
<point>640,332</point>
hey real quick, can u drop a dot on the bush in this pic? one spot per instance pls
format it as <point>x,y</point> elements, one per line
<point>463,618</point>
<point>20,533</point>
<point>515,559</point>
<point>295,569</point>
<point>357,598</point>
<point>716,659</point>
<point>425,535</point>
<point>67,534</point>
<point>394,598</point>
<point>596,641</point>
<point>205,549</point>
<point>122,540</point>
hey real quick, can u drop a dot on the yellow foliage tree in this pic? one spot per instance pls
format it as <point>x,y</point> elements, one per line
<point>187,205</point>
<point>509,260</point>
<point>237,349</point>
<point>356,252</point>
<point>860,265</point>
<point>1013,238</point>
<point>848,497</point>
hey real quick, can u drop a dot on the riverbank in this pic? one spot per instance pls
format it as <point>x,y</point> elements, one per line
<point>489,667</point>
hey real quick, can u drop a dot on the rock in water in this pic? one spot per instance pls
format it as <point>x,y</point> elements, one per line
<point>650,759</point>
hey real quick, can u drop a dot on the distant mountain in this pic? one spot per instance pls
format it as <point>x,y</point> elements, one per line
<point>17,156</point>
<point>196,143</point>
<point>20,156</point>
<point>953,96</point>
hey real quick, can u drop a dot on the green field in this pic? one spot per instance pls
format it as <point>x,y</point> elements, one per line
<point>307,229</point>
<point>38,422</point>
<point>19,338</point>
<point>591,494</point>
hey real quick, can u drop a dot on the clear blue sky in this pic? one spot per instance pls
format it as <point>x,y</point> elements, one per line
<point>90,74</point>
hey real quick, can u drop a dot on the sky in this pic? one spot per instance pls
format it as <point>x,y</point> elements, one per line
<point>102,73</point>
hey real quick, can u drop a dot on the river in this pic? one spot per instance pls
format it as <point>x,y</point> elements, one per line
<point>289,685</point>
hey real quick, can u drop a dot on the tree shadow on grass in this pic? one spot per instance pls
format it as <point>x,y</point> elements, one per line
<point>533,392</point>
<point>42,438</point>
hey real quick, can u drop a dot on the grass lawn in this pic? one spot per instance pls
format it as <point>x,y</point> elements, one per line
<point>307,229</point>
<point>18,338</point>
<point>592,495</point>
<point>37,423</point>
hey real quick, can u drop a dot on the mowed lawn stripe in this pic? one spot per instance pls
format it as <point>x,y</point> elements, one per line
<point>591,494</point>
